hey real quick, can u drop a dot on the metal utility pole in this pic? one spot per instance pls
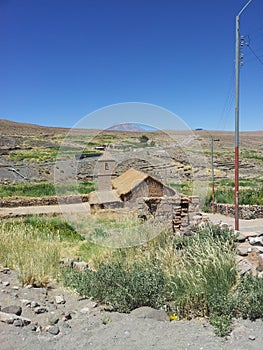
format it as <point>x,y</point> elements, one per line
<point>213,175</point>
<point>237,68</point>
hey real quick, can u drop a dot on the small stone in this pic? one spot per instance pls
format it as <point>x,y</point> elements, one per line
<point>29,286</point>
<point>60,299</point>
<point>18,323</point>
<point>33,328</point>
<point>40,310</point>
<point>80,265</point>
<point>244,266</point>
<point>6,284</point>
<point>54,330</point>
<point>34,304</point>
<point>53,320</point>
<point>26,302</point>
<point>14,295</point>
<point>15,288</point>
<point>13,309</point>
<point>64,324</point>
<point>67,316</point>
<point>5,270</point>
<point>242,251</point>
<point>251,337</point>
<point>39,329</point>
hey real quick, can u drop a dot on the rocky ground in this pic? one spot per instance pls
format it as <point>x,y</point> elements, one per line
<point>55,318</point>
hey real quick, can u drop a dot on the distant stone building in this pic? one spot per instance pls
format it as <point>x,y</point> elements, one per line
<point>134,184</point>
<point>126,189</point>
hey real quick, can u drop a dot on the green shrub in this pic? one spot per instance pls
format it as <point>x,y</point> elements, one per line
<point>221,324</point>
<point>123,287</point>
<point>249,296</point>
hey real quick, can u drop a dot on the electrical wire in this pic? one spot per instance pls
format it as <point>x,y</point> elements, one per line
<point>228,104</point>
<point>257,57</point>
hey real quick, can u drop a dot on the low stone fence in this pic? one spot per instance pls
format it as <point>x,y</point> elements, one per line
<point>27,202</point>
<point>176,211</point>
<point>246,212</point>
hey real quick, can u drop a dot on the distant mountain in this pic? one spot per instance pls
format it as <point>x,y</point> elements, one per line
<point>133,127</point>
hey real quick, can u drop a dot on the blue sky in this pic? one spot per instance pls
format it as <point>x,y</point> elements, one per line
<point>63,59</point>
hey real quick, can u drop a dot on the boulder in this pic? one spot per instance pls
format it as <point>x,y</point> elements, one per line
<point>10,318</point>
<point>12,309</point>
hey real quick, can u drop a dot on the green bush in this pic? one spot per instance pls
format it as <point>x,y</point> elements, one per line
<point>123,287</point>
<point>249,297</point>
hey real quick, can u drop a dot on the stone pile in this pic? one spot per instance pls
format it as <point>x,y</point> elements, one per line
<point>250,253</point>
<point>176,211</point>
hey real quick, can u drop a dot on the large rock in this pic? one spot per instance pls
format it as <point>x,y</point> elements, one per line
<point>148,312</point>
<point>244,266</point>
<point>245,235</point>
<point>12,309</point>
<point>10,318</point>
<point>256,240</point>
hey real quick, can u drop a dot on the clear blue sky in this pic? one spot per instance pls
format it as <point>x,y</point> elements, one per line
<point>63,59</point>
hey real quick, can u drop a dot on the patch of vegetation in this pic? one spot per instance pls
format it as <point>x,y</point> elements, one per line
<point>36,260</point>
<point>125,287</point>
<point>189,274</point>
<point>34,246</point>
<point>250,192</point>
<point>36,154</point>
<point>44,189</point>
<point>185,188</point>
<point>193,276</point>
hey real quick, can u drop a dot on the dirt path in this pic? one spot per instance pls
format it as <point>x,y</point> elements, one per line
<point>244,225</point>
<point>255,225</point>
<point>44,209</point>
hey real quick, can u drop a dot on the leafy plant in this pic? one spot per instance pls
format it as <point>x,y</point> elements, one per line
<point>124,287</point>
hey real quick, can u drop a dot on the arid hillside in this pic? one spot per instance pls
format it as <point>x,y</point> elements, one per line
<point>30,152</point>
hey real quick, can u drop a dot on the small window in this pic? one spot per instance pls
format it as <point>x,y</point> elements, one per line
<point>107,166</point>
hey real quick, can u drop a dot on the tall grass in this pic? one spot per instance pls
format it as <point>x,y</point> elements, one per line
<point>35,245</point>
<point>195,273</point>
<point>35,260</point>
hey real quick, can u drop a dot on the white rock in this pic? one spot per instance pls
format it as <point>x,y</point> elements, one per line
<point>59,299</point>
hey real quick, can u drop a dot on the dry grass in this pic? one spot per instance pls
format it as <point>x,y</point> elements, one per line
<point>35,260</point>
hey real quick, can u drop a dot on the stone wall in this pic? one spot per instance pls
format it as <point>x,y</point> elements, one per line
<point>246,212</point>
<point>26,202</point>
<point>177,211</point>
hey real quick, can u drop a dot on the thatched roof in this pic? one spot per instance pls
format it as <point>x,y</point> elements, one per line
<point>100,197</point>
<point>127,181</point>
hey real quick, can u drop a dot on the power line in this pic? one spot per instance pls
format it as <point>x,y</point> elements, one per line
<point>257,57</point>
<point>225,114</point>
